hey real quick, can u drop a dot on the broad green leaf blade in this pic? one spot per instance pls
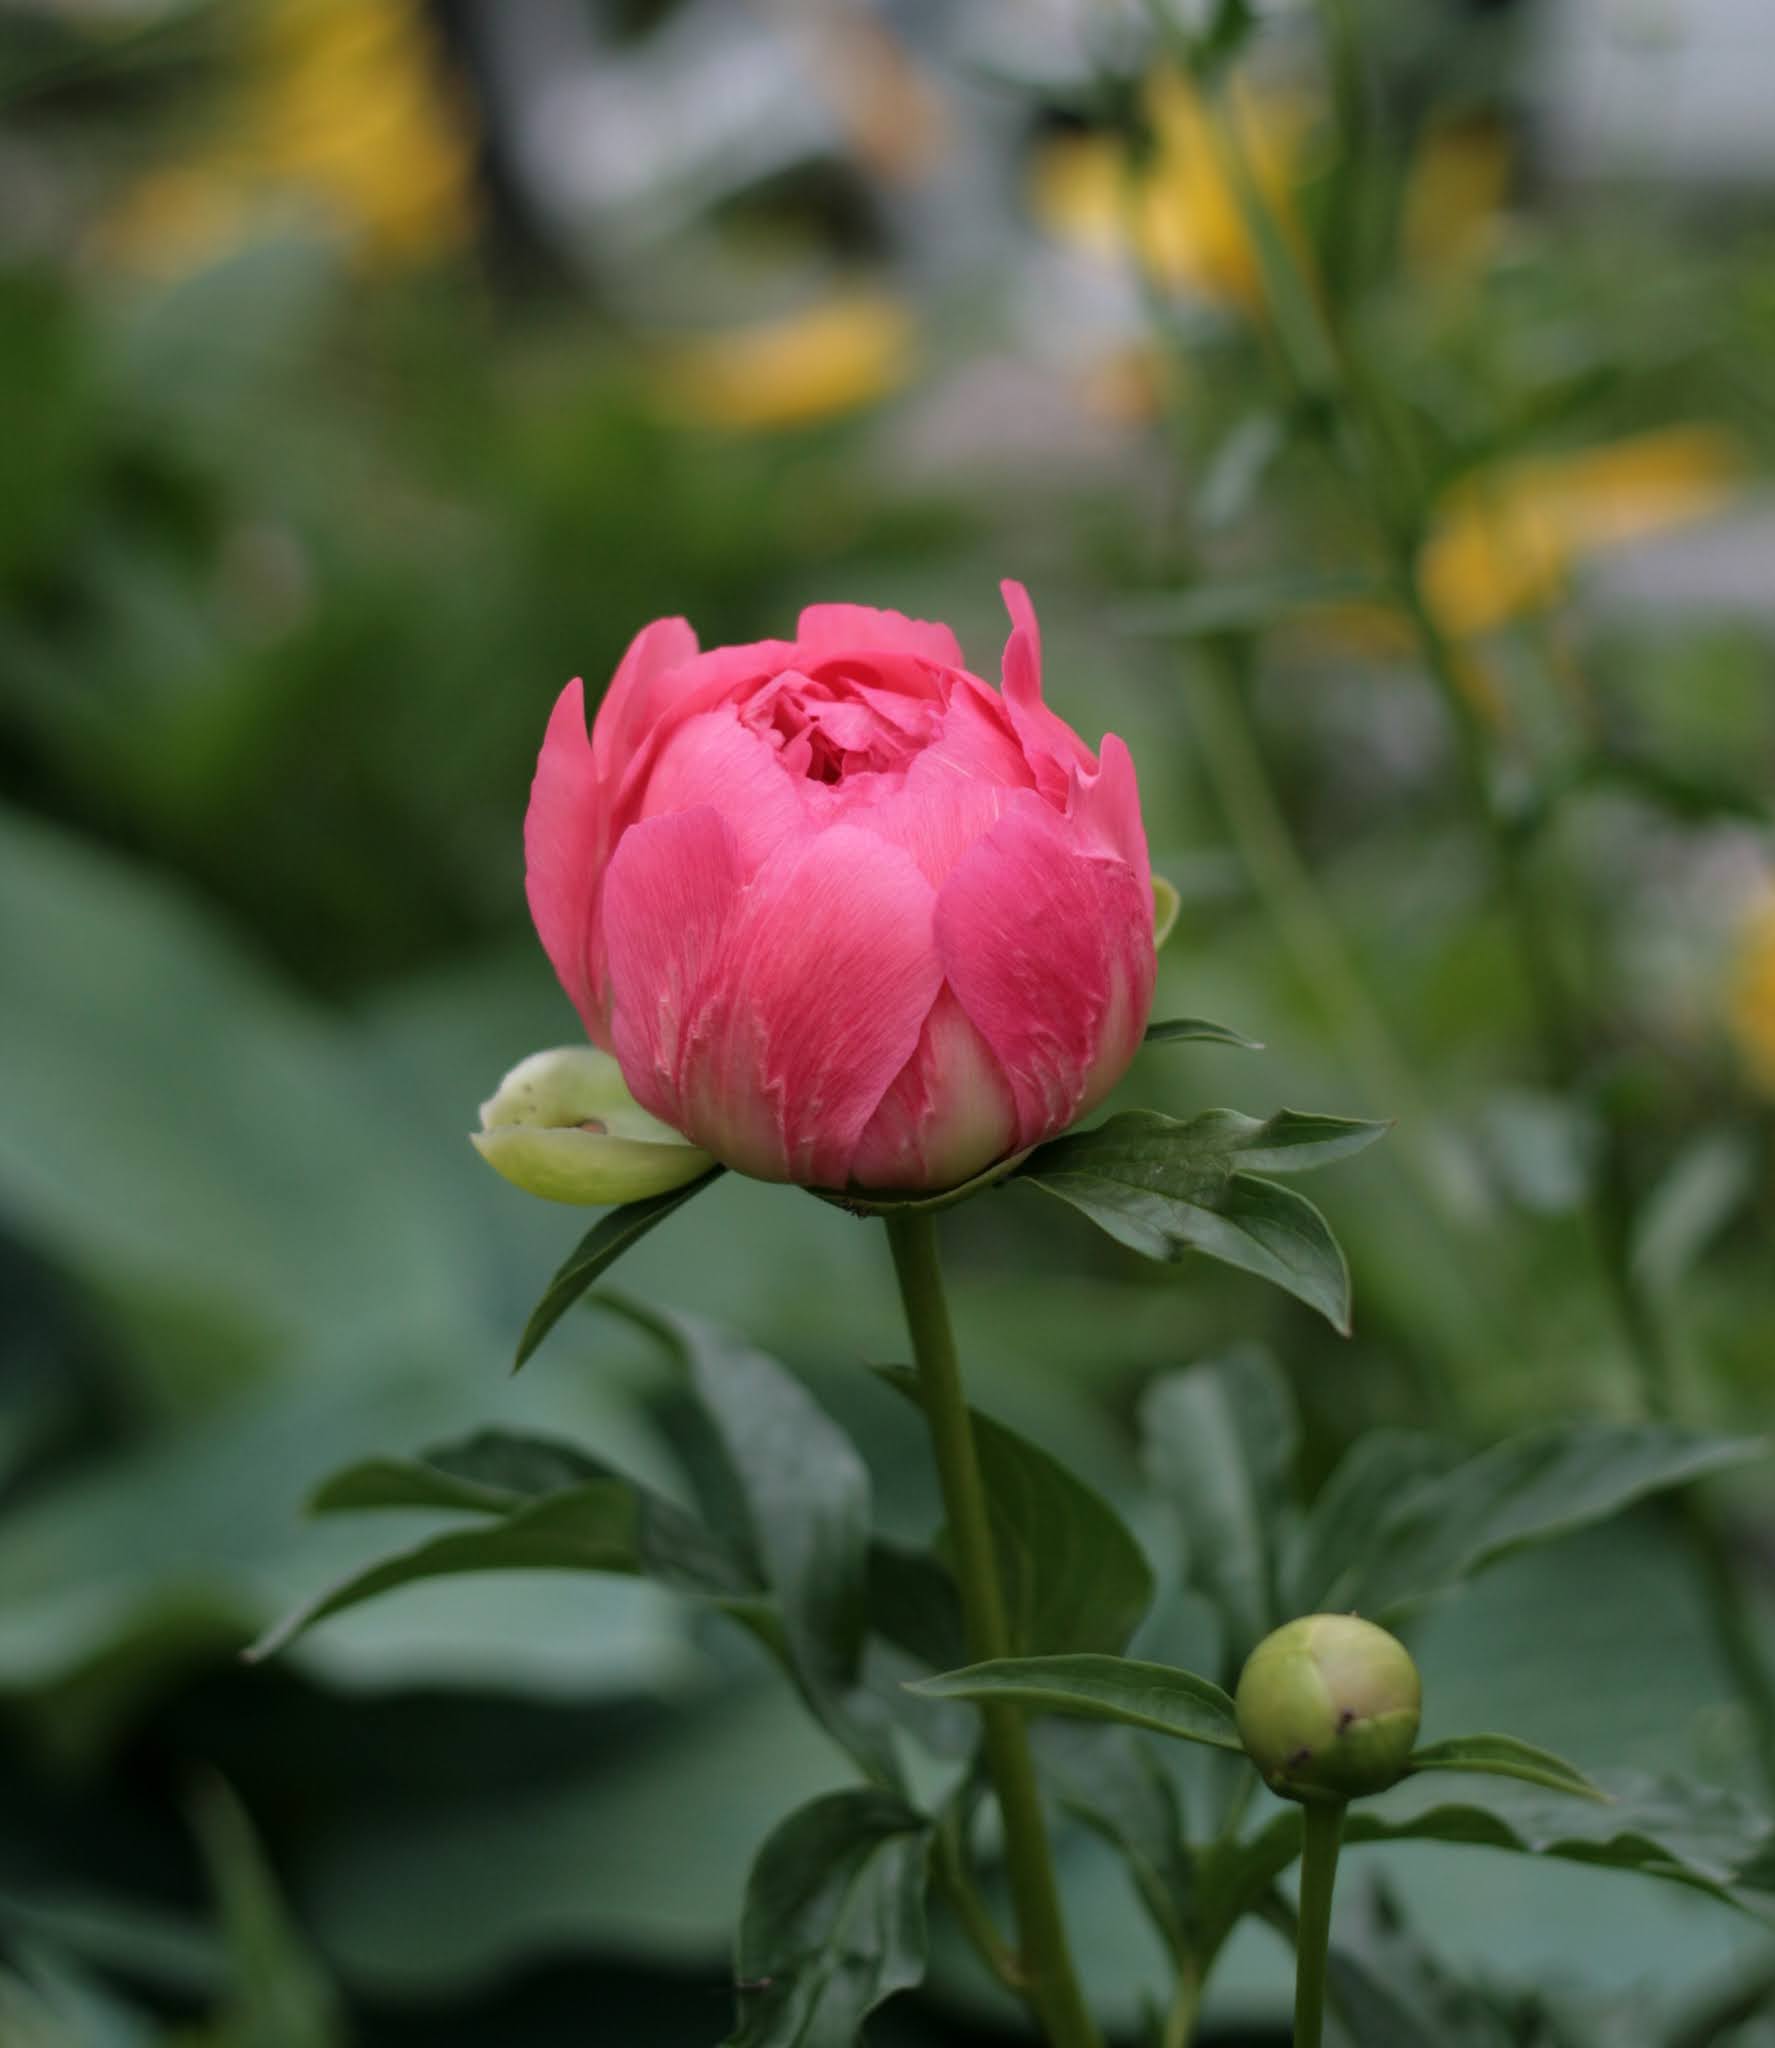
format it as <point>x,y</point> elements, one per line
<point>1109,1777</point>
<point>596,1253</point>
<point>1528,1489</point>
<point>1503,1756</point>
<point>833,1922</point>
<point>1377,1472</point>
<point>1689,1833</point>
<point>1073,1576</point>
<point>1151,1696</point>
<point>800,1499</point>
<point>490,1472</point>
<point>279,1995</point>
<point>591,1528</point>
<point>1211,609</point>
<point>1165,1187</point>
<point>1174,1029</point>
<point>1219,1441</point>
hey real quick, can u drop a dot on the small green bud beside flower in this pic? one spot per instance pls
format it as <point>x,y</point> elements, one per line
<point>564,1126</point>
<point>1328,1708</point>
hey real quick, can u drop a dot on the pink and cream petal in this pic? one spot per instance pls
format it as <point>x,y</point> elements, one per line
<point>561,858</point>
<point>948,1114</point>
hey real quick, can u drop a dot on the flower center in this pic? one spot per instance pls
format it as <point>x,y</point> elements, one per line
<point>833,726</point>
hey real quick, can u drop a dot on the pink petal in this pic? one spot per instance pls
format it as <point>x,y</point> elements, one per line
<point>1050,745</point>
<point>858,629</point>
<point>827,972</point>
<point>631,705</point>
<point>947,1115</point>
<point>1106,808</point>
<point>669,898</point>
<point>713,759</point>
<point>1050,951</point>
<point>561,832</point>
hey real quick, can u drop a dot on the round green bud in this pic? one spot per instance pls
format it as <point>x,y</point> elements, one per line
<point>1328,1708</point>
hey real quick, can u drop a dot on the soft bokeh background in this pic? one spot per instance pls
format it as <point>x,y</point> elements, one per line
<point>366,369</point>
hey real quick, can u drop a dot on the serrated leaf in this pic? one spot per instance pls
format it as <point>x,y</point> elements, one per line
<point>1073,1577</point>
<point>596,1253</point>
<point>1173,1029</point>
<point>833,1922</point>
<point>1528,1489</point>
<point>1219,1441</point>
<point>1151,1696</point>
<point>802,1498</point>
<point>1503,1756</point>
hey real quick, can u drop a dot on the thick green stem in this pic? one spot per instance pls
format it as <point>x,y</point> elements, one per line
<point>1323,1834</point>
<point>1049,1980</point>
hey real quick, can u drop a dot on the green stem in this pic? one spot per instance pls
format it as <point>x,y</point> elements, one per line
<point>1186,2006</point>
<point>1049,1980</point>
<point>1323,1833</point>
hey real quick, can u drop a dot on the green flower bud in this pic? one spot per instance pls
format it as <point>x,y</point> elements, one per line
<point>563,1125</point>
<point>1328,1708</point>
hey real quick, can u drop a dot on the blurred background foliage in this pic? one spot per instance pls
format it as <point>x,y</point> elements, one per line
<point>368,368</point>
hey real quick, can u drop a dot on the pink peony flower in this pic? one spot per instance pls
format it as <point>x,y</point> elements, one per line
<point>845,914</point>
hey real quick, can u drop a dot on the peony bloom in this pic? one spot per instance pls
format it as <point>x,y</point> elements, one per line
<point>845,914</point>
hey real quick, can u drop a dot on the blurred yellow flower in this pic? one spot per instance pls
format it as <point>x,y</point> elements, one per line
<point>336,104</point>
<point>1506,540</point>
<point>832,358</point>
<point>1751,994</point>
<point>1178,213</point>
<point>1454,198</point>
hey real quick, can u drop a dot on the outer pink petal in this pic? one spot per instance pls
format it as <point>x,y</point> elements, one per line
<point>1106,809</point>
<point>827,972</point>
<point>948,1115</point>
<point>562,854</point>
<point>1050,745</point>
<point>631,705</point>
<point>669,899</point>
<point>713,759</point>
<point>858,629</point>
<point>1050,952</point>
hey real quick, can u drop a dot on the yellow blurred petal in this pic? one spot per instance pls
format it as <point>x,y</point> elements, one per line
<point>1454,198</point>
<point>813,365</point>
<point>1179,217</point>
<point>1750,1002</point>
<point>1506,540</point>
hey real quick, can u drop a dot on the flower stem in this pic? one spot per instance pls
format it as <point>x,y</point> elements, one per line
<point>1049,1980</point>
<point>1324,1832</point>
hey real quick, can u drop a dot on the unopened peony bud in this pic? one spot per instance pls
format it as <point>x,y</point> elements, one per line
<point>564,1126</point>
<point>1328,1708</point>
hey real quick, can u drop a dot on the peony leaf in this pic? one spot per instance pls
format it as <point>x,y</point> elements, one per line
<point>1172,1029</point>
<point>1503,1756</point>
<point>1151,1696</point>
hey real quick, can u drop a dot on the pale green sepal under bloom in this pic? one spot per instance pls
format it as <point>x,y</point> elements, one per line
<point>564,1126</point>
<point>1166,904</point>
<point>1328,1709</point>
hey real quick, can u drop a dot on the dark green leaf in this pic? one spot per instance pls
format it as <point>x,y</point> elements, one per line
<point>1173,1029</point>
<point>1374,1475</point>
<point>491,1472</point>
<point>913,1603</point>
<point>1109,1777</point>
<point>1503,1756</point>
<point>1220,1440</point>
<point>1663,1827</point>
<point>597,1252</point>
<point>833,1921</point>
<point>1165,1187</point>
<point>1528,1489</point>
<point>802,1496</point>
<point>280,1997</point>
<point>859,1202</point>
<point>1149,1696</point>
<point>1074,1578</point>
